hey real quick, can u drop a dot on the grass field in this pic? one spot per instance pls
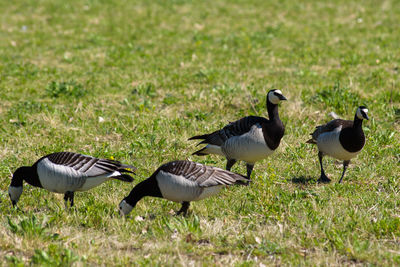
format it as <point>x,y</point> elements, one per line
<point>132,80</point>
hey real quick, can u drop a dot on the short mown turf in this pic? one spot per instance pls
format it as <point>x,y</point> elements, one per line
<point>133,80</point>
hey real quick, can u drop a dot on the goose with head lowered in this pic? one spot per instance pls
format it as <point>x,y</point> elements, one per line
<point>181,181</point>
<point>249,139</point>
<point>67,172</point>
<point>340,139</point>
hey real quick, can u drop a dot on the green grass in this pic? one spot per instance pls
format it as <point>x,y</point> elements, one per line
<point>161,72</point>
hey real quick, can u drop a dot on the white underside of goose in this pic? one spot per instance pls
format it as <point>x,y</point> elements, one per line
<point>329,144</point>
<point>60,179</point>
<point>249,147</point>
<point>213,149</point>
<point>177,188</point>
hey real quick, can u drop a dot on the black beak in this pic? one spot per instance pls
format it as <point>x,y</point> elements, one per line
<point>366,116</point>
<point>282,97</point>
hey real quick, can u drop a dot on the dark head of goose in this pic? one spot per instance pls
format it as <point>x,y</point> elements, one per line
<point>15,189</point>
<point>362,113</point>
<point>125,208</point>
<point>274,96</point>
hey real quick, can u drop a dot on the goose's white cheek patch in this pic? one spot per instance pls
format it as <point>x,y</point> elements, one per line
<point>15,193</point>
<point>359,113</point>
<point>124,208</point>
<point>273,98</point>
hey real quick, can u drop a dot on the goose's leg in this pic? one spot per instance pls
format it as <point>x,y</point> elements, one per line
<point>249,168</point>
<point>345,165</point>
<point>230,163</point>
<point>71,199</point>
<point>184,208</point>
<point>66,197</point>
<point>69,196</point>
<point>323,178</point>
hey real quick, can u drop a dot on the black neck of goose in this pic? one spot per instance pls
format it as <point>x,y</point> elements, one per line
<point>357,123</point>
<point>19,175</point>
<point>29,174</point>
<point>272,111</point>
<point>353,139</point>
<point>148,187</point>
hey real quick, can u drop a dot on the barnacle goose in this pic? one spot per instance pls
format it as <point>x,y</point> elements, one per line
<point>181,181</point>
<point>340,139</point>
<point>67,172</point>
<point>249,139</point>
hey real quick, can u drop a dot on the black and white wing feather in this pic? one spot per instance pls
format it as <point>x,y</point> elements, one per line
<point>204,176</point>
<point>235,128</point>
<point>88,165</point>
<point>328,127</point>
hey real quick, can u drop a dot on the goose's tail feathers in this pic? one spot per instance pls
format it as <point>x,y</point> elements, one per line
<point>311,141</point>
<point>203,136</point>
<point>209,149</point>
<point>124,177</point>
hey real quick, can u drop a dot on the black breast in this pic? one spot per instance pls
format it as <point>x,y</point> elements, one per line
<point>352,139</point>
<point>273,132</point>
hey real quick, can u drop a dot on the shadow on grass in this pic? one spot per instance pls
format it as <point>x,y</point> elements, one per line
<point>303,180</point>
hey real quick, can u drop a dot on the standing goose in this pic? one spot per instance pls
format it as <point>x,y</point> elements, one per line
<point>67,172</point>
<point>249,139</point>
<point>340,139</point>
<point>181,181</point>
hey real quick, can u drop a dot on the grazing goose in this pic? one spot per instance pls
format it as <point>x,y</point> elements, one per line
<point>340,139</point>
<point>67,172</point>
<point>181,181</point>
<point>249,139</point>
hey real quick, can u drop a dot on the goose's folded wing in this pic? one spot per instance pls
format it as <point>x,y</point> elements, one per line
<point>243,125</point>
<point>235,128</point>
<point>204,176</point>
<point>330,126</point>
<point>88,165</point>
